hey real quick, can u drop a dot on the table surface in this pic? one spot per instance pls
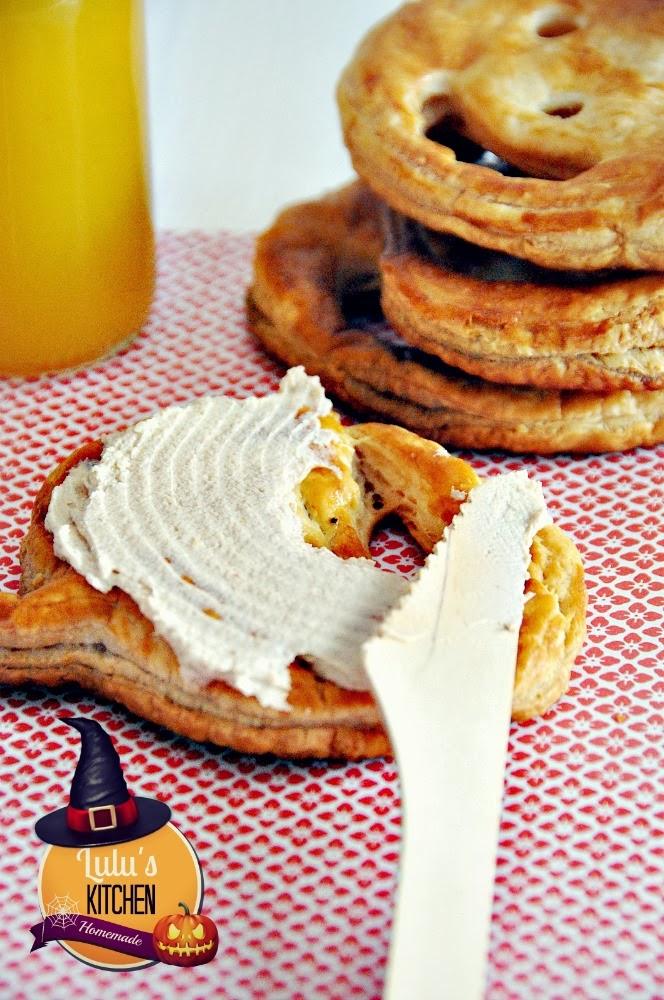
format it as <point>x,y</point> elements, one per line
<point>300,860</point>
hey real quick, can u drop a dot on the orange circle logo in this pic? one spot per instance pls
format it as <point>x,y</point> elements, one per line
<point>106,892</point>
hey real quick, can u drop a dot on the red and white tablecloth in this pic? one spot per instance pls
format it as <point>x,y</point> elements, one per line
<point>300,860</point>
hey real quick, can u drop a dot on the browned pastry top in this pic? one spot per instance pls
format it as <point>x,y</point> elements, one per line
<point>532,128</point>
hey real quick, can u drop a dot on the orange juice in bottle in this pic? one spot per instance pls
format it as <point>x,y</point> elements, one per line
<point>76,240</point>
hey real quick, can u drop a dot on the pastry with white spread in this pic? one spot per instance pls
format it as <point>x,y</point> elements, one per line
<point>209,569</point>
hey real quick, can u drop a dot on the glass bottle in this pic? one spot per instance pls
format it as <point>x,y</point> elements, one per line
<point>76,239</point>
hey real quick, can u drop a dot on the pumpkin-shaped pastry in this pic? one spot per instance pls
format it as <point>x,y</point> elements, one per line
<point>185,938</point>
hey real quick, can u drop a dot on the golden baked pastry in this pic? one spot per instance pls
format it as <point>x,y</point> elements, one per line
<point>61,629</point>
<point>320,255</point>
<point>507,320</point>
<point>570,94</point>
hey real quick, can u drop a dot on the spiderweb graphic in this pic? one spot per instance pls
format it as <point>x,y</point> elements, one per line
<point>63,911</point>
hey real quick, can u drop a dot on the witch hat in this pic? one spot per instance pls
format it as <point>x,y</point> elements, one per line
<point>101,810</point>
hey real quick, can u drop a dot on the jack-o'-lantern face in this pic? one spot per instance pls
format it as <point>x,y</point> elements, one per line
<point>185,938</point>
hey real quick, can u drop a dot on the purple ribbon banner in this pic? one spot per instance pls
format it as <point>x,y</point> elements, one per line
<point>91,930</point>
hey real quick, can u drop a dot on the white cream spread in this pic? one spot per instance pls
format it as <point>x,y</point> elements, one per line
<point>192,512</point>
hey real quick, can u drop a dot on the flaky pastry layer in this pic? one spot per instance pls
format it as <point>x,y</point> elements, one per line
<point>570,94</point>
<point>60,629</point>
<point>305,265</point>
<point>511,322</point>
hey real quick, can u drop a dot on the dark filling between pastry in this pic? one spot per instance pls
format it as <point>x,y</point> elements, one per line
<point>468,260</point>
<point>358,297</point>
<point>446,131</point>
<point>445,127</point>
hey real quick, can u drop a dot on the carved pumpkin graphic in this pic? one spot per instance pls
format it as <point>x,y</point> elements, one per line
<point>185,938</point>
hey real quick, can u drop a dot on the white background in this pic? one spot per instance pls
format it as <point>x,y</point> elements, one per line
<point>242,111</point>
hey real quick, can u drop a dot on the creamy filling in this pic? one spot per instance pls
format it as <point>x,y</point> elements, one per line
<point>195,512</point>
<point>330,499</point>
<point>215,516</point>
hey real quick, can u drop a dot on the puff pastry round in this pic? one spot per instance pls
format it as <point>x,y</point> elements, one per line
<point>61,629</point>
<point>506,320</point>
<point>570,94</point>
<point>320,255</point>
